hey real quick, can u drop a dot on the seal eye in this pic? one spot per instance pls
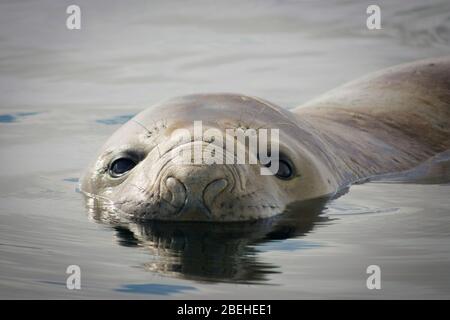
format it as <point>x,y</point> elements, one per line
<point>284,170</point>
<point>121,166</point>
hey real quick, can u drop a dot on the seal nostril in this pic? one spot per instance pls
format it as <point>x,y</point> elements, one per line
<point>212,190</point>
<point>178,192</point>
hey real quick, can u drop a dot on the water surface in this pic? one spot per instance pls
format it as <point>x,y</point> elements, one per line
<point>64,92</point>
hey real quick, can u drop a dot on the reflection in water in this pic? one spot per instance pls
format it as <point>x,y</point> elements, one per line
<point>14,117</point>
<point>121,119</point>
<point>222,252</point>
<point>154,288</point>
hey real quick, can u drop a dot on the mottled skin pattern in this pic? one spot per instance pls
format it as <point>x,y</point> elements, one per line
<point>388,122</point>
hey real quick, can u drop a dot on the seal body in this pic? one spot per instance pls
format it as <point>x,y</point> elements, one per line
<point>389,122</point>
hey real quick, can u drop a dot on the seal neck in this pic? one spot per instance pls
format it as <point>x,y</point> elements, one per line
<point>359,146</point>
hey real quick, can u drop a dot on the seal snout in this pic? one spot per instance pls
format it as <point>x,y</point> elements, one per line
<point>212,190</point>
<point>192,190</point>
<point>176,194</point>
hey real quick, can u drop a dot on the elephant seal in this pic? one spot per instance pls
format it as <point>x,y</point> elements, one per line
<point>388,122</point>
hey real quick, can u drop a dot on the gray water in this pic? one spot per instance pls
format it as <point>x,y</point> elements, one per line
<point>64,92</point>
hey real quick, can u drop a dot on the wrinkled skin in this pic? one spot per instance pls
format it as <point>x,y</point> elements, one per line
<point>364,129</point>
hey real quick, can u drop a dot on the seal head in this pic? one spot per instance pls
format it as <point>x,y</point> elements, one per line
<point>138,173</point>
